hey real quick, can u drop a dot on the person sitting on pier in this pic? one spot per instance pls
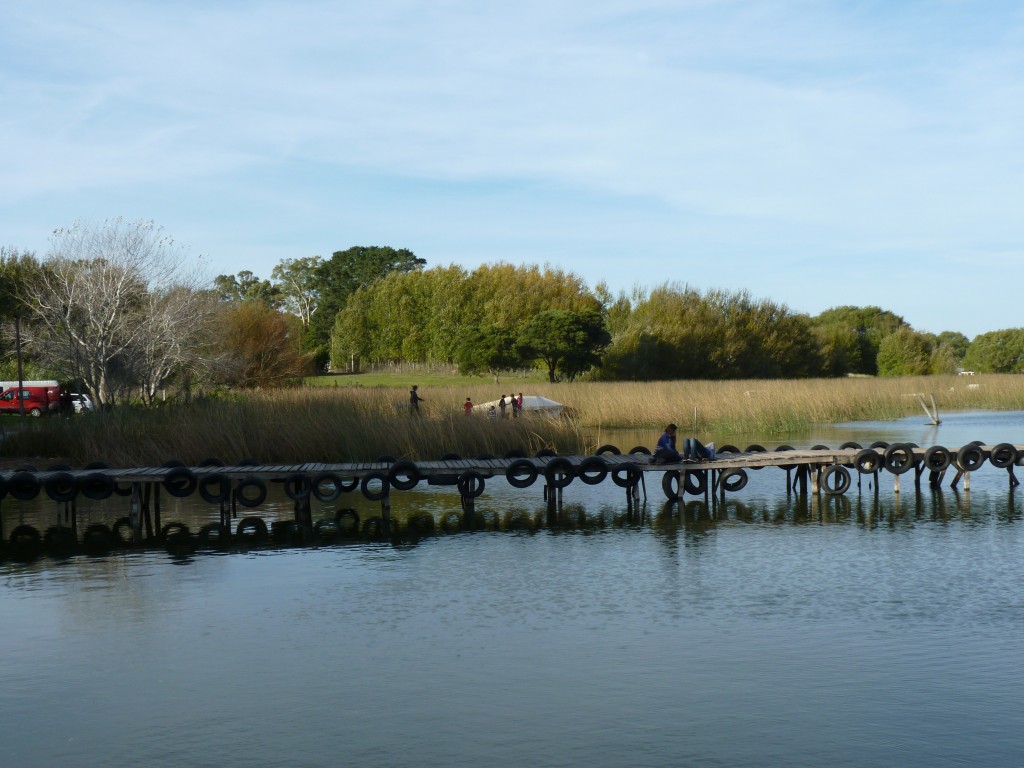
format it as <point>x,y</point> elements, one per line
<point>665,452</point>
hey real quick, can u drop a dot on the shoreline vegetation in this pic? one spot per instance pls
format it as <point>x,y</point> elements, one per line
<point>355,423</point>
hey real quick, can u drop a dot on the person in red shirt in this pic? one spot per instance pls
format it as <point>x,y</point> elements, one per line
<point>468,406</point>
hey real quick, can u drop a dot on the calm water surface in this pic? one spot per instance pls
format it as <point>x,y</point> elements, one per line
<point>764,632</point>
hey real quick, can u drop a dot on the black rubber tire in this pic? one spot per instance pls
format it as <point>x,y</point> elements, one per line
<point>1003,455</point>
<point>850,445</point>
<point>670,484</point>
<point>23,486</point>
<point>471,484</point>
<point>516,468</point>
<point>609,449</point>
<point>559,473</point>
<point>641,449</point>
<point>405,468</point>
<point>868,461</point>
<point>898,458</point>
<point>297,486</point>
<point>258,527</point>
<point>727,448</point>
<point>835,480</point>
<point>180,482</point>
<point>515,453</point>
<point>61,486</point>
<point>879,445</point>
<point>545,453</point>
<point>326,530</point>
<point>733,480</point>
<point>695,483</point>
<point>241,492</point>
<point>820,447</point>
<point>379,494</point>
<point>755,448</point>
<point>784,448</point>
<point>96,486</point>
<point>626,475</point>
<point>214,488</point>
<point>326,486</point>
<point>172,529</point>
<point>937,458</point>
<point>970,458</point>
<point>592,470</point>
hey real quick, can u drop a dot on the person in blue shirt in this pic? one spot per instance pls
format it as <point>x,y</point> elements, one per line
<point>665,452</point>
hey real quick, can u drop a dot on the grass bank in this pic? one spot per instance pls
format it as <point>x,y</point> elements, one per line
<point>333,424</point>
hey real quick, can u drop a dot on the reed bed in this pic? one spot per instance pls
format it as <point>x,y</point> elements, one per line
<point>285,427</point>
<point>342,424</point>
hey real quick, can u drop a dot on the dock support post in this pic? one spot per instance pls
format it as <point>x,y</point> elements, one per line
<point>896,484</point>
<point>816,480</point>
<point>135,513</point>
<point>1014,482</point>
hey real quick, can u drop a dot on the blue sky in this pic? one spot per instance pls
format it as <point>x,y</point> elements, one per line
<point>815,153</point>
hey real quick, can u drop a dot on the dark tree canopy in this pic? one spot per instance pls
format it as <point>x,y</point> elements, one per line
<point>490,350</point>
<point>566,342</point>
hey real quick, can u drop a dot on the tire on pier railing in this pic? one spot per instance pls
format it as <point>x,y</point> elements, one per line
<point>24,486</point>
<point>298,486</point>
<point>867,461</point>
<point>592,470</point>
<point>695,483</point>
<point>180,482</point>
<point>726,449</point>
<point>251,492</point>
<point>1003,455</point>
<point>733,480</point>
<point>608,448</point>
<point>61,486</point>
<point>850,445</point>
<point>970,458</point>
<point>626,475</point>
<point>898,458</point>
<point>97,486</point>
<point>327,486</point>
<point>215,488</point>
<point>521,473</point>
<point>835,479</point>
<point>470,484</point>
<point>558,472</point>
<point>404,475</point>
<point>368,492</point>
<point>784,448</point>
<point>937,458</point>
<point>670,484</point>
<point>755,448</point>
<point>640,449</point>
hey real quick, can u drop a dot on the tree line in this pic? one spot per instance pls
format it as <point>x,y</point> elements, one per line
<point>116,308</point>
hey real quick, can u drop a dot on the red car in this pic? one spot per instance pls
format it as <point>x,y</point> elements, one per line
<point>40,397</point>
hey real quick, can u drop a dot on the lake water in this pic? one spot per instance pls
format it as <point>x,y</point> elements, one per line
<point>767,631</point>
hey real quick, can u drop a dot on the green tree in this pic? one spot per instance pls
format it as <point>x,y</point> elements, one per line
<point>343,274</point>
<point>904,352</point>
<point>490,350</point>
<point>851,337</point>
<point>246,286</point>
<point>566,342</point>
<point>997,352</point>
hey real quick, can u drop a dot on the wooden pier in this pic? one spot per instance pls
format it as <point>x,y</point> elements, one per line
<point>817,470</point>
